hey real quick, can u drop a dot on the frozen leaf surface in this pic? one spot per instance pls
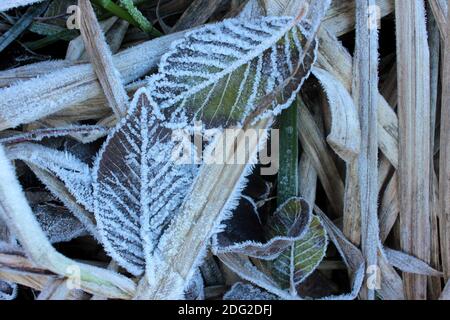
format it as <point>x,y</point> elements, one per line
<point>219,73</point>
<point>58,223</point>
<point>138,187</point>
<point>223,75</point>
<point>296,263</point>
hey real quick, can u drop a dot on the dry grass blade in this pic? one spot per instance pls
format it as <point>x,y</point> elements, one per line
<point>29,71</point>
<point>365,90</point>
<point>440,8</point>
<point>58,289</point>
<point>76,47</point>
<point>39,97</point>
<point>101,59</point>
<point>317,150</point>
<point>391,282</point>
<point>414,127</point>
<point>198,13</point>
<point>334,58</point>
<point>444,163</point>
<point>446,293</point>
<point>340,18</point>
<point>389,208</point>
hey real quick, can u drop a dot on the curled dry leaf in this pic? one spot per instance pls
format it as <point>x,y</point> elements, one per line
<point>345,135</point>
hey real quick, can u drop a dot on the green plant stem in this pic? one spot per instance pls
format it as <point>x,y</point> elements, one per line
<point>287,175</point>
<point>123,14</point>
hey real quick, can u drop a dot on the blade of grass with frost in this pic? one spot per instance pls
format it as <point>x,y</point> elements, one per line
<point>57,90</point>
<point>414,133</point>
<point>365,91</point>
<point>11,4</point>
<point>407,263</point>
<point>20,219</point>
<point>101,60</point>
<point>217,75</point>
<point>345,140</point>
<point>21,25</point>
<point>65,176</point>
<point>40,134</point>
<point>350,254</point>
<point>334,58</point>
<point>345,133</point>
<point>75,174</point>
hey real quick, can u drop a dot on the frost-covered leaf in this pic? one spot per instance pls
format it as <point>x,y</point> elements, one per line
<point>218,74</point>
<point>58,223</point>
<point>244,268</point>
<point>410,264</point>
<point>75,174</point>
<point>241,291</point>
<point>296,263</point>
<point>224,75</point>
<point>245,234</point>
<point>137,184</point>
<point>350,254</point>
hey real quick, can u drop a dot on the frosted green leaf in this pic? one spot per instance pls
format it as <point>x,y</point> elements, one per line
<point>296,263</point>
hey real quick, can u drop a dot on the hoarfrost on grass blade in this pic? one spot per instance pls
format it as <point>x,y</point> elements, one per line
<point>345,135</point>
<point>75,174</point>
<point>410,264</point>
